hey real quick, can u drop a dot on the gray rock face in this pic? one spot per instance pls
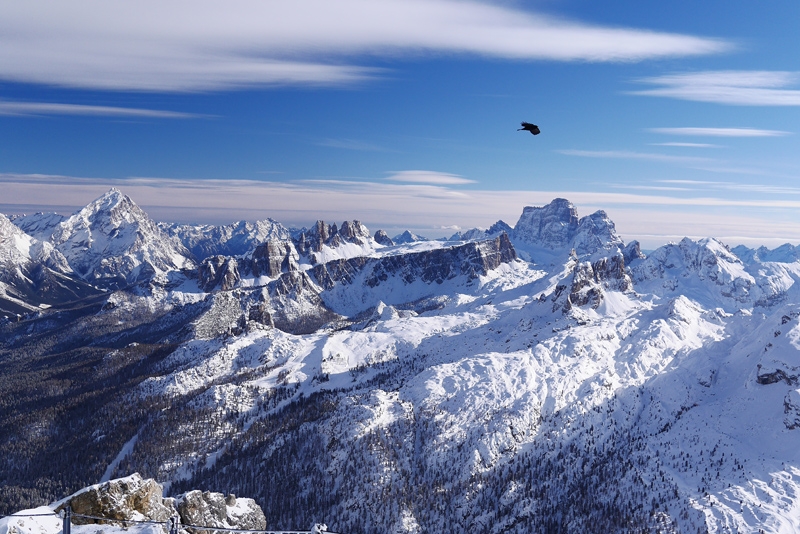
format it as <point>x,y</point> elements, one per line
<point>233,239</point>
<point>272,258</point>
<point>556,226</point>
<point>470,260</point>
<point>113,241</point>
<point>632,252</point>
<point>291,303</point>
<point>204,508</point>
<point>129,498</point>
<point>551,226</point>
<point>321,233</point>
<point>218,272</point>
<point>407,237</point>
<point>136,499</point>
<point>476,234</point>
<point>589,282</point>
<point>791,409</point>
<point>596,232</point>
<point>383,238</point>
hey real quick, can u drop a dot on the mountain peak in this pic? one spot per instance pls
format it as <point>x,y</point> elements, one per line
<point>111,200</point>
<point>556,226</point>
<point>112,237</point>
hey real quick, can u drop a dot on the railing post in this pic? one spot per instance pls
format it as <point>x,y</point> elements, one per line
<point>173,525</point>
<point>67,525</point>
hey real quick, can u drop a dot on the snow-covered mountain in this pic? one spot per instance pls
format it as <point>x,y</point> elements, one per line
<point>113,241</point>
<point>39,225</point>
<point>556,226</point>
<point>33,274</point>
<point>550,378</point>
<point>474,234</point>
<point>233,239</point>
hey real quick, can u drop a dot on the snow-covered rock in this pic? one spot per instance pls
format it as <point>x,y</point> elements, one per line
<point>324,242</point>
<point>556,226</point>
<point>407,237</point>
<point>705,269</point>
<point>234,239</point>
<point>129,498</point>
<point>204,508</point>
<point>382,238</point>
<point>434,386</point>
<point>39,225</point>
<point>137,504</point>
<point>18,249</point>
<point>478,234</point>
<point>113,240</point>
<point>786,253</point>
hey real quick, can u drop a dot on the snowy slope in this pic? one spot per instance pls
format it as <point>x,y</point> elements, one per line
<point>38,225</point>
<point>113,239</point>
<point>234,239</point>
<point>435,386</point>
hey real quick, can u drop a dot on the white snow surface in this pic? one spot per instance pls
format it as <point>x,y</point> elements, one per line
<point>701,359</point>
<point>18,249</point>
<point>690,341</point>
<point>113,237</point>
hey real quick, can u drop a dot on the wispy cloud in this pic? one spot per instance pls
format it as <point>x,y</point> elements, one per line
<point>735,186</point>
<point>742,88</point>
<point>649,187</point>
<point>8,107</point>
<point>721,132</point>
<point>625,154</point>
<point>429,177</point>
<point>688,145</point>
<point>652,218</point>
<point>185,45</point>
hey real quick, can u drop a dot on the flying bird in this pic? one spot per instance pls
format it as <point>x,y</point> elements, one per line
<point>532,128</point>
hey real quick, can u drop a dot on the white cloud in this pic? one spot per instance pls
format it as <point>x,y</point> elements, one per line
<point>50,108</point>
<point>625,154</point>
<point>429,177</point>
<point>190,45</point>
<point>651,218</point>
<point>743,88</point>
<point>688,145</point>
<point>737,186</point>
<point>721,132</point>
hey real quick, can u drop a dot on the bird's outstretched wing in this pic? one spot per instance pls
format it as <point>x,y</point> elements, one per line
<point>532,128</point>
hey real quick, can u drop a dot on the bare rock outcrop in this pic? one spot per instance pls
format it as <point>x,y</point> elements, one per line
<point>131,498</point>
<point>204,508</point>
<point>134,498</point>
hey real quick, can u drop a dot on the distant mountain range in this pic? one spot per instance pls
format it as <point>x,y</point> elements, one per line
<point>545,377</point>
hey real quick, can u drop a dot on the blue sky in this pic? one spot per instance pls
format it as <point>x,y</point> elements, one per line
<point>677,118</point>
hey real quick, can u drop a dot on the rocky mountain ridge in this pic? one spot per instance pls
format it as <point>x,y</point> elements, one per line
<point>548,378</point>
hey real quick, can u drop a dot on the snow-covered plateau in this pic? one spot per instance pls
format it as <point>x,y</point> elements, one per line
<point>545,377</point>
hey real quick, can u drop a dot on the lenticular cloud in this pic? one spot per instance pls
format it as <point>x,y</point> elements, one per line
<point>191,46</point>
<point>742,88</point>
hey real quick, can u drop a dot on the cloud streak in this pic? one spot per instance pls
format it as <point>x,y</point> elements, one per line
<point>687,145</point>
<point>200,45</point>
<point>429,177</point>
<point>625,154</point>
<point>740,88</point>
<point>50,108</point>
<point>653,218</point>
<point>721,132</point>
